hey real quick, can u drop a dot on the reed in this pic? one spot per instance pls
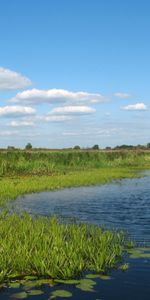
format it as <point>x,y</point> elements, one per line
<point>48,163</point>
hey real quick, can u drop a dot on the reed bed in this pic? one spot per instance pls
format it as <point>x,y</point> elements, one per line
<point>48,163</point>
<point>45,247</point>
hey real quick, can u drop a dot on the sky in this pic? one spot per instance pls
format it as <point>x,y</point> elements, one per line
<point>74,72</point>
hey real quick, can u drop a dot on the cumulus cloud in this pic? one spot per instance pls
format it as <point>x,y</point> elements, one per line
<point>122,95</point>
<point>73,110</point>
<point>36,96</point>
<point>10,80</point>
<point>137,106</point>
<point>16,111</point>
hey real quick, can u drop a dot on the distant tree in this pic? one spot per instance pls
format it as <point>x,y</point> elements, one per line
<point>77,147</point>
<point>95,147</point>
<point>148,145</point>
<point>11,148</point>
<point>28,146</point>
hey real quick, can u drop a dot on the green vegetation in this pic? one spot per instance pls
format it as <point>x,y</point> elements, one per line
<point>28,146</point>
<point>23,172</point>
<point>44,247</point>
<point>59,162</point>
<point>12,187</point>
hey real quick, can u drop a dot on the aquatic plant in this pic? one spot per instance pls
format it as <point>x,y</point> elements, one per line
<point>45,247</point>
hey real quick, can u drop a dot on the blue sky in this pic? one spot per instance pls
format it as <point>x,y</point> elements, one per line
<point>74,72</point>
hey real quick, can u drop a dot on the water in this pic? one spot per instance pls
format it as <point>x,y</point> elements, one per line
<point>122,205</point>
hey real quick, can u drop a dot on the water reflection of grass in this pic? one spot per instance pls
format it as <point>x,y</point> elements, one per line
<point>11,187</point>
<point>45,247</point>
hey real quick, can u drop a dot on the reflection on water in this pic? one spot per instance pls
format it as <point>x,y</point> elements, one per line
<point>124,204</point>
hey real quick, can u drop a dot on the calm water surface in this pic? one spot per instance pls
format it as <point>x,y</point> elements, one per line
<point>124,204</point>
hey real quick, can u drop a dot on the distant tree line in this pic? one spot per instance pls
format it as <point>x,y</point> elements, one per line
<point>29,147</point>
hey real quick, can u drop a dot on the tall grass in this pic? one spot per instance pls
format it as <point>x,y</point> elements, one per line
<point>45,247</point>
<point>40,163</point>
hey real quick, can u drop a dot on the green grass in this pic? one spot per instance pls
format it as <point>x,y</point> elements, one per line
<point>45,247</point>
<point>23,172</point>
<point>48,163</point>
<point>12,187</point>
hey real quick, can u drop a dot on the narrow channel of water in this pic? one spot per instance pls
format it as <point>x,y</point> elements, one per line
<point>121,205</point>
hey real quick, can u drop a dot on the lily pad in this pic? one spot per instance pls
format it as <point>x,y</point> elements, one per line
<point>87,281</point>
<point>22,295</point>
<point>14,285</point>
<point>86,285</point>
<point>27,285</point>
<point>142,252</point>
<point>35,292</point>
<point>92,276</point>
<point>104,277</point>
<point>60,293</point>
<point>85,288</point>
<point>70,281</point>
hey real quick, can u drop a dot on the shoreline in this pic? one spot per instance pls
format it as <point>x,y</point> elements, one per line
<point>12,187</point>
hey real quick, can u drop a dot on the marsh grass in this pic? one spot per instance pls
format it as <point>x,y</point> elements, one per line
<point>45,247</point>
<point>40,163</point>
<point>11,187</point>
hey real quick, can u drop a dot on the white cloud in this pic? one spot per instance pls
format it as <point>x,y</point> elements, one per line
<point>49,118</point>
<point>10,80</point>
<point>122,95</point>
<point>137,106</point>
<point>21,123</point>
<point>73,110</point>
<point>16,111</point>
<point>36,96</point>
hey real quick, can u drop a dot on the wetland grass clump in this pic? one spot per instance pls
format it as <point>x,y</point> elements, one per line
<point>45,247</point>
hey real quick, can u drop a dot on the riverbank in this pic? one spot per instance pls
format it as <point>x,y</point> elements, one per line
<point>13,186</point>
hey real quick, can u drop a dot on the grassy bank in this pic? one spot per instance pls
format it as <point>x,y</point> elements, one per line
<point>11,187</point>
<point>45,247</point>
<point>23,172</point>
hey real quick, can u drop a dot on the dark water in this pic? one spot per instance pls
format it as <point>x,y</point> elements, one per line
<point>124,204</point>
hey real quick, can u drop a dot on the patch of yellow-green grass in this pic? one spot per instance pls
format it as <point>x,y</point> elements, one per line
<point>12,187</point>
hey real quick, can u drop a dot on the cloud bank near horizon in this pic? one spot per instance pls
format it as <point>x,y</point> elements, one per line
<point>60,112</point>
